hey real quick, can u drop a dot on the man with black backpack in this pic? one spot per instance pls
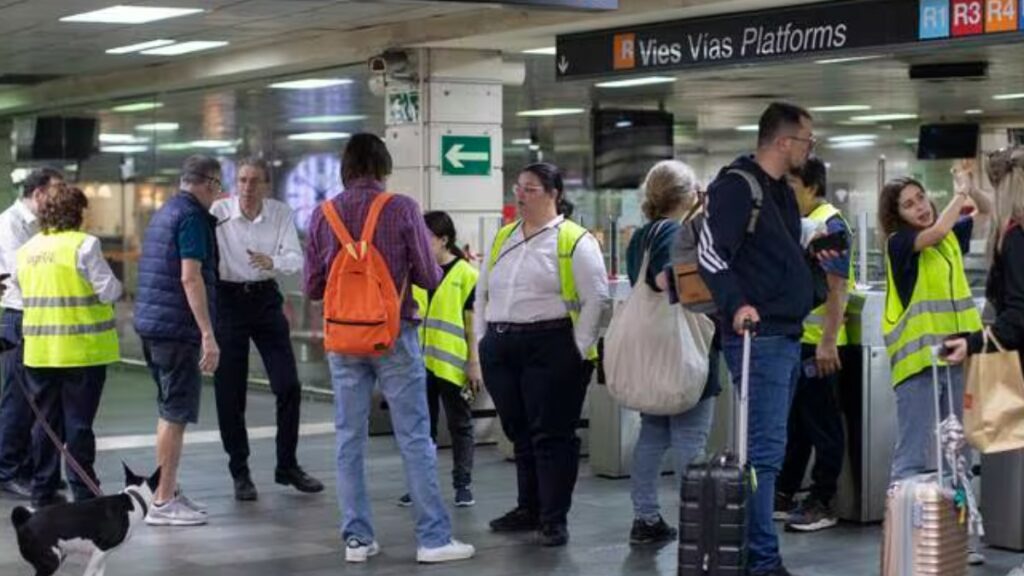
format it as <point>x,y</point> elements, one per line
<point>752,261</point>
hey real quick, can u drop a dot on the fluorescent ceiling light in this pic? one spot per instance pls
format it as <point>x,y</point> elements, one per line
<point>847,59</point>
<point>544,112</point>
<point>534,147</point>
<point>174,146</point>
<point>910,141</point>
<point>158,127</point>
<point>853,137</point>
<point>316,136</point>
<point>522,142</point>
<point>130,14</point>
<point>139,47</point>
<point>1016,96</point>
<point>623,123</point>
<point>974,111</point>
<point>185,47</point>
<point>631,82</point>
<point>854,144</point>
<point>138,107</point>
<point>311,83</point>
<point>122,139</point>
<point>124,149</point>
<point>883,117</point>
<point>546,51</point>
<point>748,128</point>
<point>329,119</point>
<point>211,143</point>
<point>841,108</point>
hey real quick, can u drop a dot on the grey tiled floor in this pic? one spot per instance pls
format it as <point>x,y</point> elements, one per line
<point>286,533</point>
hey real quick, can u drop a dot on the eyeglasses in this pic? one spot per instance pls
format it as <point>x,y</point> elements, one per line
<point>214,181</point>
<point>520,189</point>
<point>811,141</point>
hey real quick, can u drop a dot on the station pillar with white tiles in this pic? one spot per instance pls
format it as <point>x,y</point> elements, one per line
<point>443,119</point>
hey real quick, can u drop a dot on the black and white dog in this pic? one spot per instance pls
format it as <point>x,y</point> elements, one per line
<point>96,527</point>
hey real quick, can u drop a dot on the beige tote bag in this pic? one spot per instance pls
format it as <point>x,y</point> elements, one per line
<point>994,399</point>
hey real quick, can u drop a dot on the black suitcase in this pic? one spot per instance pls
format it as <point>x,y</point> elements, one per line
<point>713,503</point>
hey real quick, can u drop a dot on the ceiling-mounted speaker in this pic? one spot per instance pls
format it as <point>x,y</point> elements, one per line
<point>950,71</point>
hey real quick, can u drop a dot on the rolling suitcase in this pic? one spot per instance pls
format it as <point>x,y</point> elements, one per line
<point>923,534</point>
<point>713,508</point>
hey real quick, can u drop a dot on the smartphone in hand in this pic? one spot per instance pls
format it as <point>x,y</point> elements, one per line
<point>836,242</point>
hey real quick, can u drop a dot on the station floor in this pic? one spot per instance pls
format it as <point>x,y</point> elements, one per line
<point>287,533</point>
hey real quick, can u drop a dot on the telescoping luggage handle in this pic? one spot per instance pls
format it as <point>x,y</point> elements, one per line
<point>742,411</point>
<point>936,354</point>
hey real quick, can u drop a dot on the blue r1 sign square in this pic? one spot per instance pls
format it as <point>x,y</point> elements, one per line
<point>934,19</point>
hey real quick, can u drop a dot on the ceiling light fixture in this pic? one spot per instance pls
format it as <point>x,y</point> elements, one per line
<point>974,111</point>
<point>158,127</point>
<point>139,47</point>
<point>185,48</point>
<point>545,112</point>
<point>546,51</point>
<point>631,82</point>
<point>138,107</point>
<point>329,119</point>
<point>884,117</point>
<point>853,137</point>
<point>910,141</point>
<point>123,14</point>
<point>522,141</point>
<point>211,143</point>
<point>847,59</point>
<point>318,136</point>
<point>748,128</point>
<point>174,146</point>
<point>311,83</point>
<point>122,139</point>
<point>854,144</point>
<point>124,149</point>
<point>1016,96</point>
<point>841,108</point>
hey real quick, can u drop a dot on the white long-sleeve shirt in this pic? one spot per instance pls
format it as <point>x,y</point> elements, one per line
<point>17,225</point>
<point>91,264</point>
<point>272,233</point>
<point>524,285</point>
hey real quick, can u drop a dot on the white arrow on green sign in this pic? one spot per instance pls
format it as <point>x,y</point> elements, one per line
<point>465,155</point>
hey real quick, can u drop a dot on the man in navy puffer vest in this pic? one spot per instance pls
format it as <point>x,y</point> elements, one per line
<point>174,313</point>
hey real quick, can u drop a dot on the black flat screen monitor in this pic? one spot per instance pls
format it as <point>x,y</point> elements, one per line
<point>627,143</point>
<point>947,141</point>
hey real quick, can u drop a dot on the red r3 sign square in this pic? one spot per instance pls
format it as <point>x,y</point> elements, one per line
<point>968,17</point>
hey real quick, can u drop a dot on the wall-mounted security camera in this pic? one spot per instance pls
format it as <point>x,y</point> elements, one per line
<point>390,62</point>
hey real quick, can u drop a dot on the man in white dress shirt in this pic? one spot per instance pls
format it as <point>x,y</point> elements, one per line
<point>257,240</point>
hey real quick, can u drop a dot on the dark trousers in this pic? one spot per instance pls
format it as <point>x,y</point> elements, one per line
<point>538,381</point>
<point>16,417</point>
<point>460,425</point>
<point>815,422</point>
<point>254,313</point>
<point>68,399</point>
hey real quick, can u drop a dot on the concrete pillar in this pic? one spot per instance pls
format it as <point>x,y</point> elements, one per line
<point>7,191</point>
<point>444,115</point>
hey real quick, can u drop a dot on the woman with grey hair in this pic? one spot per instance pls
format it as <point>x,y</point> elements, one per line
<point>670,192</point>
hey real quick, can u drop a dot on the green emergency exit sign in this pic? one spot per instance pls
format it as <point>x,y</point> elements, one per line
<point>465,155</point>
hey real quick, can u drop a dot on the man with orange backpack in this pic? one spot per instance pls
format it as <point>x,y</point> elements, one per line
<point>365,249</point>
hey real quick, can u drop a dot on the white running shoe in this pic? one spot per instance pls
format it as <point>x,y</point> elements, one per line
<point>174,512</point>
<point>356,551</point>
<point>451,551</point>
<point>197,506</point>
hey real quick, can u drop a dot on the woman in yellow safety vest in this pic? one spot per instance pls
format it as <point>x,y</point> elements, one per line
<point>449,350</point>
<point>70,336</point>
<point>927,300</point>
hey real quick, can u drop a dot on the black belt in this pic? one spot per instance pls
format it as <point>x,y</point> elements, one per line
<point>247,287</point>
<point>513,327</point>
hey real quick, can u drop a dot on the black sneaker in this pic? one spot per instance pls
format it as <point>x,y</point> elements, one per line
<point>298,478</point>
<point>644,533</point>
<point>404,502</point>
<point>784,506</point>
<point>811,516</point>
<point>518,520</point>
<point>552,535</point>
<point>245,490</point>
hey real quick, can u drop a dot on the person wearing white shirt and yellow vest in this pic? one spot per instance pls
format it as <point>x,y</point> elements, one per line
<point>257,241</point>
<point>542,292</point>
<point>815,421</point>
<point>449,350</point>
<point>70,337</point>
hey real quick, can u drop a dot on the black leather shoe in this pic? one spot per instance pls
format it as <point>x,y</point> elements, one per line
<point>299,479</point>
<point>51,500</point>
<point>245,490</point>
<point>552,535</point>
<point>17,489</point>
<point>518,520</point>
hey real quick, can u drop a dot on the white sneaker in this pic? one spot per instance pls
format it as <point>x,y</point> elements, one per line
<point>975,558</point>
<point>197,506</point>
<point>453,550</point>
<point>356,551</point>
<point>174,512</point>
<point>1018,571</point>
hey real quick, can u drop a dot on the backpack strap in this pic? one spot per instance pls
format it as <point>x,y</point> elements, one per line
<point>340,231</point>
<point>373,215</point>
<point>756,196</point>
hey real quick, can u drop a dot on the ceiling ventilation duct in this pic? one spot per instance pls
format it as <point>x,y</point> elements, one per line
<point>949,71</point>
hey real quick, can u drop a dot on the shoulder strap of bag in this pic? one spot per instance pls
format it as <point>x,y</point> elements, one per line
<point>373,216</point>
<point>334,220</point>
<point>756,197</point>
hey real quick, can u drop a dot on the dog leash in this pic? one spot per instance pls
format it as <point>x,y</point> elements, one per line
<point>85,478</point>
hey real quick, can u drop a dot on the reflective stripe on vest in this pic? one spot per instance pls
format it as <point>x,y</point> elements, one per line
<point>443,329</point>
<point>941,305</point>
<point>569,234</point>
<point>65,325</point>
<point>814,324</point>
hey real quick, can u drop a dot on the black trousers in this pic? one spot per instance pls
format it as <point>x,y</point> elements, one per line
<point>16,418</point>
<point>459,415</point>
<point>254,312</point>
<point>815,422</point>
<point>538,381</point>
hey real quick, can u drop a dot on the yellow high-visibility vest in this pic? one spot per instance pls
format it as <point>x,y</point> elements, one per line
<point>443,330</point>
<point>814,324</point>
<point>65,325</point>
<point>941,305</point>
<point>569,234</point>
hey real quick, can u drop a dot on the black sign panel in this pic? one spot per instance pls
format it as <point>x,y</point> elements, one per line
<point>566,4</point>
<point>739,38</point>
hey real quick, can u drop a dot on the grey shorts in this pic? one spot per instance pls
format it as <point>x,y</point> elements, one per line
<point>175,369</point>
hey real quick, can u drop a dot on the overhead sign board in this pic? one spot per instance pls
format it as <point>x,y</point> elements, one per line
<point>798,31</point>
<point>465,155</point>
<point>568,4</point>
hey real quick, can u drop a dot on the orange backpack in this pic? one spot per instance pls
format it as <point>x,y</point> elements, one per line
<point>361,306</point>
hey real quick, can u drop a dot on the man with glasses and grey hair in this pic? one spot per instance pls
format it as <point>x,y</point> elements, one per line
<point>258,241</point>
<point>174,316</point>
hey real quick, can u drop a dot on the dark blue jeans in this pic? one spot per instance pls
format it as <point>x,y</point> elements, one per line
<point>774,364</point>
<point>15,415</point>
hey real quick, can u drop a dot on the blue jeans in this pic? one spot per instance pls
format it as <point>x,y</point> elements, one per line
<point>774,367</point>
<point>915,416</point>
<point>402,379</point>
<point>686,434</point>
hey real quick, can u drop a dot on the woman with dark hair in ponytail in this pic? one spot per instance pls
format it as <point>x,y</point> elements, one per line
<point>449,350</point>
